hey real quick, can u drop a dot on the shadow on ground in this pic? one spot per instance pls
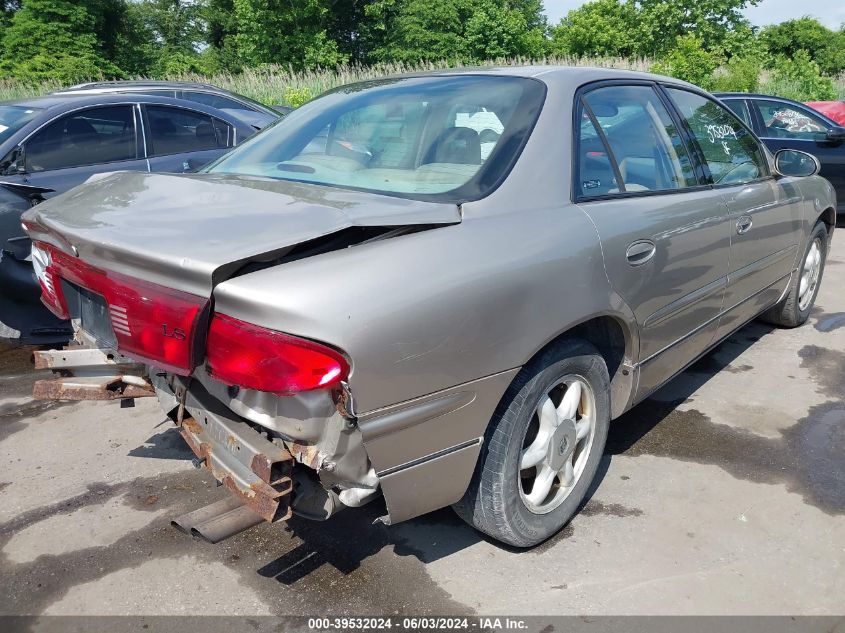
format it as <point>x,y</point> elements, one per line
<point>355,535</point>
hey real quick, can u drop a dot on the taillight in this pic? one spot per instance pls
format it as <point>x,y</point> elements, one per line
<point>151,323</point>
<point>253,357</point>
<point>51,290</point>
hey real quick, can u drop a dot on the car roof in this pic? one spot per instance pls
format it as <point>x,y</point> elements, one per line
<point>752,95</point>
<point>144,83</point>
<point>61,103</point>
<point>551,74</point>
<point>51,101</point>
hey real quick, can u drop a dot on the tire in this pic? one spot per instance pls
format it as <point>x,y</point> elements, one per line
<point>792,311</point>
<point>497,501</point>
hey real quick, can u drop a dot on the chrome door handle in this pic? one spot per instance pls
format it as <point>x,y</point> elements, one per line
<point>639,252</point>
<point>743,225</point>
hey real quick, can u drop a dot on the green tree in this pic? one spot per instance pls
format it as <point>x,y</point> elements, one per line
<point>824,46</point>
<point>651,28</point>
<point>690,61</point>
<point>800,78</point>
<point>463,30</point>
<point>661,22</point>
<point>285,32</point>
<point>54,39</point>
<point>603,28</point>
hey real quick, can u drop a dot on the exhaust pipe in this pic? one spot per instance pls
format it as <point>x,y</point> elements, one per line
<point>218,521</point>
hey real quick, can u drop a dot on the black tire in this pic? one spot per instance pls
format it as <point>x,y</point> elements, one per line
<point>492,503</point>
<point>788,312</point>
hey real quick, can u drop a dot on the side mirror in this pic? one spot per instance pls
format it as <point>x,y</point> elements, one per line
<point>835,134</point>
<point>793,162</point>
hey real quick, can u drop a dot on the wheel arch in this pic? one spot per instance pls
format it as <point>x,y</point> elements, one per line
<point>828,216</point>
<point>617,341</point>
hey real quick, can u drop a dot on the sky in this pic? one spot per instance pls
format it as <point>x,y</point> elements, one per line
<point>829,12</point>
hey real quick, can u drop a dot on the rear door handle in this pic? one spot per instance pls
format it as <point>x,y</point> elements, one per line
<point>639,252</point>
<point>744,224</point>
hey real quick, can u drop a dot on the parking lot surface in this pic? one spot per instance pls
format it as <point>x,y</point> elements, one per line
<point>722,494</point>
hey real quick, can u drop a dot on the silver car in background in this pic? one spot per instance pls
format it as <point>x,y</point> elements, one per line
<point>436,288</point>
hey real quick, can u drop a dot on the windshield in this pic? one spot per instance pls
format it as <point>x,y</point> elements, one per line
<point>13,118</point>
<point>446,138</point>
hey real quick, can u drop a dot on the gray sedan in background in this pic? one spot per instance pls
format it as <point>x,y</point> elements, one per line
<point>436,288</point>
<point>51,144</point>
<point>248,110</point>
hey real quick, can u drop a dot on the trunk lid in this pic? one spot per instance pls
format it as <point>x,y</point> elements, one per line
<point>191,231</point>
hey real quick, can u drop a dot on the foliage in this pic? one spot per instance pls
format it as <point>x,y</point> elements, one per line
<point>256,42</point>
<point>690,61</point>
<point>295,97</point>
<point>800,78</point>
<point>740,74</point>
<point>651,28</point>
<point>661,22</point>
<point>273,31</point>
<point>460,30</point>
<point>826,47</point>
<point>602,27</point>
<point>54,38</point>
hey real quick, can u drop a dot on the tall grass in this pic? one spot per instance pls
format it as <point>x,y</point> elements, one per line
<point>276,85</point>
<point>280,85</point>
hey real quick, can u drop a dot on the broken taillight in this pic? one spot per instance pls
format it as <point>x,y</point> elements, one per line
<point>151,323</point>
<point>253,357</point>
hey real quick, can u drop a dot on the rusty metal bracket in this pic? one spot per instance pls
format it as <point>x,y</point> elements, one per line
<point>257,471</point>
<point>90,373</point>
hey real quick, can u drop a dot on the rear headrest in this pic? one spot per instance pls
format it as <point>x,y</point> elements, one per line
<point>459,145</point>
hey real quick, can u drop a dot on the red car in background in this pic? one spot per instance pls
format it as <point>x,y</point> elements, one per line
<point>834,110</point>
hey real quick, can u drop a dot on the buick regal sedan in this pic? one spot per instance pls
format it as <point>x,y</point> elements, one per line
<point>437,289</point>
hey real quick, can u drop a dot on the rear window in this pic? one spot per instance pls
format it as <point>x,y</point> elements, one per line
<point>448,138</point>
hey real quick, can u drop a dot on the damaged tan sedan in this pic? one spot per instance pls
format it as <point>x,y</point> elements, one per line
<point>437,288</point>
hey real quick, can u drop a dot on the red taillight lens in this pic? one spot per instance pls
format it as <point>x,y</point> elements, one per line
<point>51,289</point>
<point>151,323</point>
<point>249,356</point>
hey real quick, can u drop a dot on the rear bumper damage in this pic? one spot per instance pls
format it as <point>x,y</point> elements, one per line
<point>310,454</point>
<point>314,466</point>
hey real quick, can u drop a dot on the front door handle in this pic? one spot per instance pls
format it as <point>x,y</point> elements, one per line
<point>639,252</point>
<point>744,224</point>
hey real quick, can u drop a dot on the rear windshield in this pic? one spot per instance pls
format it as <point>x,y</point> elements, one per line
<point>445,138</point>
<point>13,118</point>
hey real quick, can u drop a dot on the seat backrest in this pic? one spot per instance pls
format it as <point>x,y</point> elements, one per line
<point>205,135</point>
<point>459,145</point>
<point>79,130</point>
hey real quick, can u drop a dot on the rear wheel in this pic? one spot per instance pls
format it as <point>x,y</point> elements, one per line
<point>795,308</point>
<point>543,447</point>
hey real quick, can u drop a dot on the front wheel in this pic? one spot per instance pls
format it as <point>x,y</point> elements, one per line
<point>543,447</point>
<point>794,309</point>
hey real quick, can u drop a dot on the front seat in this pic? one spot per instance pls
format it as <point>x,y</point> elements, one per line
<point>79,131</point>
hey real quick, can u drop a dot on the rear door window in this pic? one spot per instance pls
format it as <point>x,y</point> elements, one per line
<point>215,101</point>
<point>88,137</point>
<point>740,108</point>
<point>782,120</point>
<point>731,152</point>
<point>639,143</point>
<point>177,130</point>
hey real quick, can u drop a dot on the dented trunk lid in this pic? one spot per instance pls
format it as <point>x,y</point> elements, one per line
<point>191,231</point>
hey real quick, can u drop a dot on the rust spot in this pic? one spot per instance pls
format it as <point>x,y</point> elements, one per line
<point>72,389</point>
<point>151,500</point>
<point>306,454</point>
<point>261,466</point>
